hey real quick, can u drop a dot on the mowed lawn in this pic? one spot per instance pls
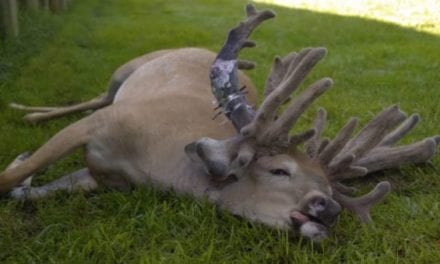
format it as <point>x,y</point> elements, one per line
<point>68,58</point>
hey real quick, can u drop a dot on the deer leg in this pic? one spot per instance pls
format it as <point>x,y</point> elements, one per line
<point>16,162</point>
<point>38,116</point>
<point>57,147</point>
<point>39,109</point>
<point>80,180</point>
<point>43,113</point>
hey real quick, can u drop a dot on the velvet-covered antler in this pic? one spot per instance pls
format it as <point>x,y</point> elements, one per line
<point>372,149</point>
<point>287,74</point>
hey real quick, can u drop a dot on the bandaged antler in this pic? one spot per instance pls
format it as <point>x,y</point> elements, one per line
<point>224,71</point>
<point>264,128</point>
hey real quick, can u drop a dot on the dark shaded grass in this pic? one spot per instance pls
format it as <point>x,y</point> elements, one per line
<point>69,58</point>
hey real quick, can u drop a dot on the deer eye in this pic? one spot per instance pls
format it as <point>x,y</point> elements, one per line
<point>279,172</point>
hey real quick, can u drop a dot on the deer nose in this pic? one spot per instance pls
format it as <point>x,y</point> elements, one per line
<point>324,209</point>
<point>216,169</point>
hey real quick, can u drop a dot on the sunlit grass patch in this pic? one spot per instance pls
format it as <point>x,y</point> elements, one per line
<point>422,15</point>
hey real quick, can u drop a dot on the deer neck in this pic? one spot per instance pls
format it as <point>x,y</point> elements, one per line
<point>237,197</point>
<point>192,179</point>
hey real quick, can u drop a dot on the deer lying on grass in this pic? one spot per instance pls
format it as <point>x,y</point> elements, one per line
<point>158,129</point>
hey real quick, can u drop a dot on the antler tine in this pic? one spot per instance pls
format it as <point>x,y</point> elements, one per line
<point>370,150</point>
<point>400,131</point>
<point>385,157</point>
<point>340,167</point>
<point>299,138</point>
<point>300,66</point>
<point>336,145</point>
<point>306,61</point>
<point>344,162</point>
<point>251,10</point>
<point>348,172</point>
<point>245,155</point>
<point>375,130</point>
<point>289,64</point>
<point>280,67</point>
<point>324,143</point>
<point>282,126</point>
<point>313,146</point>
<point>224,71</point>
<point>372,133</point>
<point>362,205</point>
<point>245,65</point>
<point>237,38</point>
<point>342,188</point>
<point>298,59</point>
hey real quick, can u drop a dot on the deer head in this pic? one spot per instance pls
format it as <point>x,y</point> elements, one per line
<point>261,173</point>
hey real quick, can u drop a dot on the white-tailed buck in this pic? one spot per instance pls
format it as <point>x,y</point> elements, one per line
<point>156,127</point>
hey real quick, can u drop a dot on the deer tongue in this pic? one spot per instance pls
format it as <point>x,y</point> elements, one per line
<point>299,218</point>
<point>307,227</point>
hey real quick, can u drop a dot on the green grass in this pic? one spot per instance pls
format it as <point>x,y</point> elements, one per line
<point>62,59</point>
<point>421,15</point>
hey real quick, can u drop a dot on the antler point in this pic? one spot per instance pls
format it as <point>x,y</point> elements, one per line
<point>415,117</point>
<point>384,186</point>
<point>328,81</point>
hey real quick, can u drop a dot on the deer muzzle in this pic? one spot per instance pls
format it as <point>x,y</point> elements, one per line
<point>322,209</point>
<point>318,213</point>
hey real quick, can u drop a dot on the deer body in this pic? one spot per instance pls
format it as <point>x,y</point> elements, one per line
<point>163,105</point>
<point>159,109</point>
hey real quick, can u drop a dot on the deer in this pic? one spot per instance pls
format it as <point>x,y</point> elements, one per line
<point>155,127</point>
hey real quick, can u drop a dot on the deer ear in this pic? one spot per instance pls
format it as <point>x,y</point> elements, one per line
<point>223,160</point>
<point>213,155</point>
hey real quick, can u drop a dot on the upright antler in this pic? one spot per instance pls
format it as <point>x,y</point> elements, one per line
<point>261,128</point>
<point>369,151</point>
<point>216,155</point>
<point>224,70</point>
<point>286,76</point>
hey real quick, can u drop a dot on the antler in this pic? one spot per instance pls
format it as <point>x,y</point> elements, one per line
<point>369,151</point>
<point>224,70</point>
<point>362,205</point>
<point>286,76</point>
<point>259,128</point>
<point>216,155</point>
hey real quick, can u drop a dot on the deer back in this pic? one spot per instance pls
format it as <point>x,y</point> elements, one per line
<point>164,105</point>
